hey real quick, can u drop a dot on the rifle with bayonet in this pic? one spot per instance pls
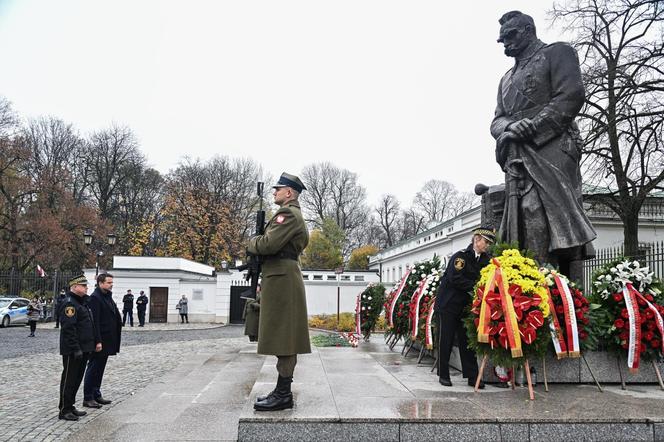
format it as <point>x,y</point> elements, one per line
<point>254,262</point>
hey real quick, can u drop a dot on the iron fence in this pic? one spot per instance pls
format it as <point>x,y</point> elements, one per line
<point>651,254</point>
<point>30,284</point>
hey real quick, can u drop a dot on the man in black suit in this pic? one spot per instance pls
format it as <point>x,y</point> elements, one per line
<point>454,295</point>
<point>109,322</point>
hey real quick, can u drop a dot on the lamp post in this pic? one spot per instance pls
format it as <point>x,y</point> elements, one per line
<point>88,236</point>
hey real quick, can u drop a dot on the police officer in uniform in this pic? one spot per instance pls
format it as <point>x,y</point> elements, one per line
<point>283,329</point>
<point>141,305</point>
<point>454,296</point>
<point>128,308</point>
<point>78,339</point>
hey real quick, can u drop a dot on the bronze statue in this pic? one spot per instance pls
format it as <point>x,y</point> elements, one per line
<point>538,146</point>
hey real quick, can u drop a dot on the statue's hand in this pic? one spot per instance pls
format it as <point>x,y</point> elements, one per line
<point>523,129</point>
<point>502,147</point>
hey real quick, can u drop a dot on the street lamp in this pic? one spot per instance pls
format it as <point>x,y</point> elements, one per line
<point>88,236</point>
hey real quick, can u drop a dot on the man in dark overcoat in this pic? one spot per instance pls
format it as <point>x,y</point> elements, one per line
<point>453,298</point>
<point>109,322</point>
<point>283,328</point>
<point>539,147</point>
<point>141,306</point>
<point>79,338</point>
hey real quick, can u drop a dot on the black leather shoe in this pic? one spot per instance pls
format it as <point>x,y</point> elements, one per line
<point>78,413</point>
<point>91,404</point>
<point>501,385</point>
<point>445,382</point>
<point>101,400</point>
<point>471,382</point>
<point>69,416</point>
<point>280,399</point>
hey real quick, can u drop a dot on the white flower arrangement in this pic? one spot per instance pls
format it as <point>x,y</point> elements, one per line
<point>621,274</point>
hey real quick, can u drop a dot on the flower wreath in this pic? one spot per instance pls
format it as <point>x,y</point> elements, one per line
<point>631,315</point>
<point>509,309</point>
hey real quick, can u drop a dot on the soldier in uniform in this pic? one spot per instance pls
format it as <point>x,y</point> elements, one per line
<point>141,305</point>
<point>78,339</point>
<point>283,329</point>
<point>454,296</point>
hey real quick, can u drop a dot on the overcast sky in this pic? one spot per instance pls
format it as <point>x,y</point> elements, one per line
<point>397,91</point>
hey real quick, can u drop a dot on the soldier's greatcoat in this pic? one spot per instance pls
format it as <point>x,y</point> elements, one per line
<point>545,85</point>
<point>283,329</point>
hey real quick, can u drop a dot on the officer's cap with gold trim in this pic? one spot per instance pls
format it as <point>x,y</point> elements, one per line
<point>288,180</point>
<point>486,233</point>
<point>78,280</point>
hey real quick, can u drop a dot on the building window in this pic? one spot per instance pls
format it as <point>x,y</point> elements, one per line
<point>359,277</point>
<point>197,295</point>
<point>318,277</point>
<point>345,277</point>
<point>331,277</point>
<point>305,277</point>
<point>400,273</point>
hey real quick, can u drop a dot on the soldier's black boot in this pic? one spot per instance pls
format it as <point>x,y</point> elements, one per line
<point>281,398</point>
<point>270,394</point>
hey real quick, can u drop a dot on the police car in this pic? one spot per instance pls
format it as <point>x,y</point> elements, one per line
<point>13,311</point>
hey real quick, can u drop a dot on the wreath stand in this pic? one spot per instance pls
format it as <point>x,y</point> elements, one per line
<point>546,383</point>
<point>623,386</point>
<point>526,368</point>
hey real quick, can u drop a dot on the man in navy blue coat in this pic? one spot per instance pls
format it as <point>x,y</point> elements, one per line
<point>109,322</point>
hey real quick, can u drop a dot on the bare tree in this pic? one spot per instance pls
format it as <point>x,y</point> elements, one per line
<point>53,145</point>
<point>621,51</point>
<point>113,156</point>
<point>412,223</point>
<point>335,193</point>
<point>388,212</point>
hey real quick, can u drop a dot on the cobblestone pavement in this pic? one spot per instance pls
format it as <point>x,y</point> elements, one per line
<point>14,341</point>
<point>30,371</point>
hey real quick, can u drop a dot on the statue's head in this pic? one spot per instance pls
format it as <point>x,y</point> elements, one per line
<point>517,31</point>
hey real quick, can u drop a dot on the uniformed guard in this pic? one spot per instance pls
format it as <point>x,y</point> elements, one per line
<point>454,295</point>
<point>283,330</point>
<point>128,308</point>
<point>78,339</point>
<point>141,305</point>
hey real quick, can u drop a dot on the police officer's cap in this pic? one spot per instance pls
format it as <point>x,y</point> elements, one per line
<point>288,180</point>
<point>78,280</point>
<point>487,233</point>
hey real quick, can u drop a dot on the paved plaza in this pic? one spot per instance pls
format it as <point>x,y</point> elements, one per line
<point>200,384</point>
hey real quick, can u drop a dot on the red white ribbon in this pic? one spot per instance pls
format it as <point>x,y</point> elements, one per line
<point>556,332</point>
<point>396,297</point>
<point>358,315</point>
<point>417,297</point>
<point>428,334</point>
<point>658,317</point>
<point>634,345</point>
<point>573,347</point>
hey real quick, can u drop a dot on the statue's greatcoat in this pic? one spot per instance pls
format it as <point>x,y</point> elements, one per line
<point>545,85</point>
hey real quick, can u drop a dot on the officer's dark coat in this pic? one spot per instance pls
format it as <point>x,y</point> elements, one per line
<point>77,329</point>
<point>283,329</point>
<point>545,86</point>
<point>460,276</point>
<point>107,318</point>
<point>142,303</point>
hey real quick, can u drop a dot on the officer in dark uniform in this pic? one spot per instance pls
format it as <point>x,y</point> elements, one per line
<point>141,305</point>
<point>128,308</point>
<point>454,295</point>
<point>78,339</point>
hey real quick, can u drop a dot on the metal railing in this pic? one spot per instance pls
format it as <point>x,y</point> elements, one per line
<point>652,254</point>
<point>28,284</point>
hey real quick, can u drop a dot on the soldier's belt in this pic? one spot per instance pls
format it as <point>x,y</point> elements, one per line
<point>282,255</point>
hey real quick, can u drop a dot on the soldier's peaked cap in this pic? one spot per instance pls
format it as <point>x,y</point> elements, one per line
<point>80,279</point>
<point>288,180</point>
<point>486,232</point>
